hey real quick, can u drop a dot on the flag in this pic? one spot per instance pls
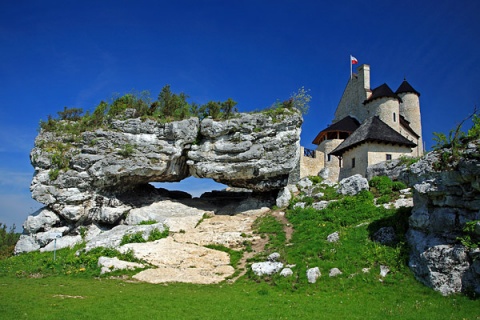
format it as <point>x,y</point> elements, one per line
<point>353,60</point>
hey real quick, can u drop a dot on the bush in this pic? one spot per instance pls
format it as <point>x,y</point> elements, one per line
<point>8,239</point>
<point>381,185</point>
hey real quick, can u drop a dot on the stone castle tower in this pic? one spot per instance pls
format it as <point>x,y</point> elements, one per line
<point>369,126</point>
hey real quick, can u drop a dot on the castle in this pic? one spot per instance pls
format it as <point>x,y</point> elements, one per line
<point>370,126</point>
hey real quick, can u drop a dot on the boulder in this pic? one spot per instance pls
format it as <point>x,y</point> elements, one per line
<point>333,237</point>
<point>320,205</point>
<point>284,197</point>
<point>352,185</point>
<point>266,268</point>
<point>334,272</point>
<point>273,257</point>
<point>384,270</point>
<point>286,272</point>
<point>385,236</point>
<point>313,274</point>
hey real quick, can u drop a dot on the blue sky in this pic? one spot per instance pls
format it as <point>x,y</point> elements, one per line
<point>77,53</point>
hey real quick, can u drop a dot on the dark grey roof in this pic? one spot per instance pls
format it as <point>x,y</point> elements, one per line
<point>382,92</point>
<point>347,124</point>
<point>406,87</point>
<point>372,130</point>
<point>406,124</point>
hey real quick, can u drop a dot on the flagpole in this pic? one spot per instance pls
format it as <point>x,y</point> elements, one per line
<point>351,67</point>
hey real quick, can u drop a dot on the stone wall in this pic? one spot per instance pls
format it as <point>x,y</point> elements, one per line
<point>310,166</point>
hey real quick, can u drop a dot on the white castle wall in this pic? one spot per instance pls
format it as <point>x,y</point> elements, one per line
<point>387,109</point>
<point>368,154</point>
<point>410,109</point>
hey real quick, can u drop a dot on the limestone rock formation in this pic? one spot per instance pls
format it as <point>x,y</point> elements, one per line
<point>252,151</point>
<point>444,202</point>
<point>102,177</point>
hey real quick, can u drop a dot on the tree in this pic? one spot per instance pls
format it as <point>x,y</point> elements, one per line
<point>228,108</point>
<point>301,100</point>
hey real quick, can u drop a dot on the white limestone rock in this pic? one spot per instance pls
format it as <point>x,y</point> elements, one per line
<point>63,242</point>
<point>286,272</point>
<point>26,243</point>
<point>313,274</point>
<point>333,237</point>
<point>284,197</point>
<point>266,268</point>
<point>273,257</point>
<point>352,185</point>
<point>320,205</point>
<point>334,272</point>
<point>42,219</point>
<point>113,264</point>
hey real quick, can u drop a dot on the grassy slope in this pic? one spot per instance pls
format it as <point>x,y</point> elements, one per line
<point>71,289</point>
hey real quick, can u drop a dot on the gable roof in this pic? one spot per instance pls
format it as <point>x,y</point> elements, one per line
<point>406,87</point>
<point>382,91</point>
<point>372,130</point>
<point>347,124</point>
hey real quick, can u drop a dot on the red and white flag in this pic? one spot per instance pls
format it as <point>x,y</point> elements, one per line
<point>353,60</point>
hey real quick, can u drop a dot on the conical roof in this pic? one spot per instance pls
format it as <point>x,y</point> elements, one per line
<point>347,124</point>
<point>382,92</point>
<point>406,87</point>
<point>372,130</point>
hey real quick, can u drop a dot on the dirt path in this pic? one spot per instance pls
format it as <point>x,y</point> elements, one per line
<point>259,244</point>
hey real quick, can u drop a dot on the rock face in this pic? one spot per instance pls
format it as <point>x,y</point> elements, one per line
<point>444,202</point>
<point>102,177</point>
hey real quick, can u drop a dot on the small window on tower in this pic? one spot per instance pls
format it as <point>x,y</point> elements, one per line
<point>389,156</point>
<point>394,117</point>
<point>353,162</point>
<point>329,158</point>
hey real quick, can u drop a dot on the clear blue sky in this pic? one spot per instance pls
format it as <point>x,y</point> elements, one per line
<point>77,53</point>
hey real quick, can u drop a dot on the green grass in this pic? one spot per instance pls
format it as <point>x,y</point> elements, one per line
<point>54,298</point>
<point>33,286</point>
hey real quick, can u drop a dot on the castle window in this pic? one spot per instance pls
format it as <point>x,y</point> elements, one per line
<point>394,117</point>
<point>329,158</point>
<point>353,162</point>
<point>389,156</point>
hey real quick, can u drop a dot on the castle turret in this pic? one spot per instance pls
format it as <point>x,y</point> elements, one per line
<point>384,104</point>
<point>410,110</point>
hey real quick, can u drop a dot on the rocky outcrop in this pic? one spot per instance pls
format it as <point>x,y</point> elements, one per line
<point>444,202</point>
<point>102,177</point>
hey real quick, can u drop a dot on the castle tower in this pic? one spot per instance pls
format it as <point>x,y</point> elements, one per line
<point>384,104</point>
<point>410,110</point>
<point>357,90</point>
